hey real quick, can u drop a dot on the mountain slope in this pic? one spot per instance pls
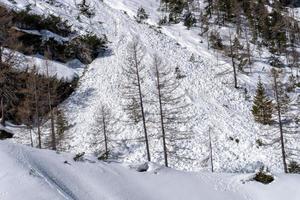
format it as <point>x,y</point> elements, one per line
<point>214,103</point>
<point>207,87</point>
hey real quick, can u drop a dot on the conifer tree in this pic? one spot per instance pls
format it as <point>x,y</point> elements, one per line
<point>262,108</point>
<point>141,14</point>
<point>133,92</point>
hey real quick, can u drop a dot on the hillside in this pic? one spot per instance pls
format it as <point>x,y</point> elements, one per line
<point>215,106</point>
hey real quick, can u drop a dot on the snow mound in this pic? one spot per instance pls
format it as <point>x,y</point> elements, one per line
<point>27,174</point>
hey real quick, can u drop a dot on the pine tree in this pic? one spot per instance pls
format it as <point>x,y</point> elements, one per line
<point>262,108</point>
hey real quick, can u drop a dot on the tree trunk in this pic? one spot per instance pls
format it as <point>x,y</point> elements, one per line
<point>31,140</point>
<point>142,106</point>
<point>211,152</point>
<point>280,125</point>
<point>105,136</point>
<point>53,137</point>
<point>161,117</point>
<point>233,64</point>
<point>37,112</point>
<point>2,112</point>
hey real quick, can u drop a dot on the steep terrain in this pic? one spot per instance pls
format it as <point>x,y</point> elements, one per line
<point>208,87</point>
<point>214,103</point>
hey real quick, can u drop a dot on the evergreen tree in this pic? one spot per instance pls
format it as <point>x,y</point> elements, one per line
<point>141,14</point>
<point>189,20</point>
<point>262,108</point>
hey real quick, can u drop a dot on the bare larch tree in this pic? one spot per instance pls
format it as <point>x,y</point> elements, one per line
<point>103,122</point>
<point>280,107</point>
<point>133,89</point>
<point>171,106</point>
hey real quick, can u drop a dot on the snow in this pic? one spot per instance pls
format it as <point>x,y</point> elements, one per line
<point>27,173</point>
<point>214,103</point>
<point>66,71</point>
<point>208,86</point>
<point>3,128</point>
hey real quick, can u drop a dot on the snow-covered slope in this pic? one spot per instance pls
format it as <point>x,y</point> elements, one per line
<point>208,88</point>
<point>214,103</point>
<point>27,174</point>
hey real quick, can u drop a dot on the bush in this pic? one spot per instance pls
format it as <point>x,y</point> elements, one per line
<point>189,20</point>
<point>163,21</point>
<point>141,14</point>
<point>275,62</point>
<point>294,167</point>
<point>86,48</point>
<point>263,176</point>
<point>103,156</point>
<point>26,20</point>
<point>85,9</point>
<point>79,157</point>
<point>259,142</point>
<point>215,40</point>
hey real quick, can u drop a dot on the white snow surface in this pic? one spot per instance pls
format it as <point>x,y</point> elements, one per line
<point>208,88</point>
<point>27,174</point>
<point>62,71</point>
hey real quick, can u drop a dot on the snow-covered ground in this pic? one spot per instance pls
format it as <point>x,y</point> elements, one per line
<point>208,88</point>
<point>27,174</point>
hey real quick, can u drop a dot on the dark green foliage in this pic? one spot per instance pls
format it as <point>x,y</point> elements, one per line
<point>178,73</point>
<point>259,142</point>
<point>27,20</point>
<point>263,177</point>
<point>175,9</point>
<point>163,21</point>
<point>189,20</point>
<point>141,14</point>
<point>215,40</point>
<point>292,83</point>
<point>84,48</point>
<point>275,62</point>
<point>87,47</point>
<point>5,135</point>
<point>262,107</point>
<point>85,9</point>
<point>79,157</point>
<point>294,167</point>
<point>104,156</point>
